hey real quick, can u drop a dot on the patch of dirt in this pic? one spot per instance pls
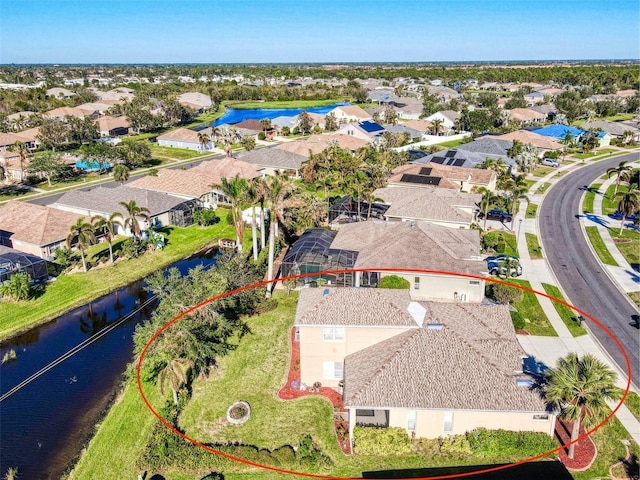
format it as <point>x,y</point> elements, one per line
<point>585,451</point>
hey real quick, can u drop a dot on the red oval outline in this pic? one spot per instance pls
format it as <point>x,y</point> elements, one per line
<point>396,270</point>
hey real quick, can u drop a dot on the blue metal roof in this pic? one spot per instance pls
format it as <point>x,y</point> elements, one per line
<point>559,130</point>
<point>371,127</point>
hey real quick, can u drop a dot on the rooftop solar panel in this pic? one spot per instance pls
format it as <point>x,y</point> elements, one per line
<point>438,159</point>
<point>459,162</point>
<point>450,153</point>
<point>421,179</point>
<point>425,171</point>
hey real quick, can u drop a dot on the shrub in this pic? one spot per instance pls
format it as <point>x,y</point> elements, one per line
<point>505,294</point>
<point>500,246</point>
<point>64,257</point>
<point>455,444</point>
<point>261,136</point>
<point>381,441</point>
<point>133,248</point>
<point>206,217</point>
<point>518,320</point>
<point>17,287</point>
<point>394,281</point>
<point>490,443</point>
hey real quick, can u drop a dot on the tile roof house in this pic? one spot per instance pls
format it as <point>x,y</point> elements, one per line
<point>527,116</point>
<point>198,182</point>
<point>366,130</point>
<point>34,229</point>
<point>183,138</point>
<point>440,206</point>
<point>164,209</point>
<point>316,143</point>
<point>272,159</point>
<point>196,101</point>
<point>59,92</point>
<point>560,132</point>
<point>525,136</point>
<point>487,146</point>
<point>615,129</point>
<point>442,176</point>
<point>350,113</point>
<point>432,368</point>
<point>63,112</point>
<point>388,246</point>
<point>109,126</point>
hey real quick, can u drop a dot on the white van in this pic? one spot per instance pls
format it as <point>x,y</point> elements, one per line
<point>550,162</point>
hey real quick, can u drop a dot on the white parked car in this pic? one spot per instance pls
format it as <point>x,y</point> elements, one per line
<point>550,162</point>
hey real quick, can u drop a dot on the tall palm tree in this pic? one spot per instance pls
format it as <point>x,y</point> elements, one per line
<point>121,173</point>
<point>277,189</point>
<point>134,214</point>
<point>21,149</point>
<point>621,172</point>
<point>204,139</point>
<point>436,125</point>
<point>83,231</point>
<point>517,194</point>
<point>516,149</point>
<point>234,189</point>
<point>252,196</point>
<point>629,203</point>
<point>228,136</point>
<point>579,387</point>
<point>109,226</point>
<point>486,202</point>
<point>174,376</point>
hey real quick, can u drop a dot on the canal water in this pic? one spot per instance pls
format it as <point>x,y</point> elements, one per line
<point>45,424</point>
<point>238,115</point>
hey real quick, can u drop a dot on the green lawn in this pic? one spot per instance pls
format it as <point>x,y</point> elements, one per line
<point>587,206</point>
<point>177,153</point>
<point>532,211</point>
<point>543,188</point>
<point>535,252</point>
<point>542,171</point>
<point>630,249</point>
<point>598,245</point>
<point>568,315</point>
<point>632,402</point>
<point>530,183</point>
<point>530,309</point>
<point>453,143</point>
<point>511,246</point>
<point>72,290</point>
<point>609,203</point>
<point>142,136</point>
<point>635,297</point>
<point>561,174</point>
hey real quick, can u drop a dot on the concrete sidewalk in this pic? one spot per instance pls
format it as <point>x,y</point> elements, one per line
<point>547,350</point>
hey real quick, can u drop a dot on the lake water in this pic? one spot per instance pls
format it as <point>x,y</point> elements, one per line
<point>234,116</point>
<point>46,423</point>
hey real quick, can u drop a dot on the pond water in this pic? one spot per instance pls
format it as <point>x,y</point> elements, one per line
<point>46,424</point>
<point>234,116</point>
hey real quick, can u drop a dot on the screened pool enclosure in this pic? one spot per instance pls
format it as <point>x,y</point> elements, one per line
<point>14,261</point>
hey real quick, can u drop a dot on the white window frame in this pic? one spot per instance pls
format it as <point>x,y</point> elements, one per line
<point>448,422</point>
<point>412,420</point>
<point>332,370</point>
<point>333,334</point>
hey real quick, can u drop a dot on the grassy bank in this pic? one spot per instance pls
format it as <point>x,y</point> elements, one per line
<point>567,315</point>
<point>598,245</point>
<point>537,322</point>
<point>72,290</point>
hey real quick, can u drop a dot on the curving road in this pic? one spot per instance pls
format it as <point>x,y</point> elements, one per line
<point>581,275</point>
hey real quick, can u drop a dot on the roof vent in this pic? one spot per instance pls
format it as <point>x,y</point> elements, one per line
<point>413,224</point>
<point>325,292</point>
<point>524,382</point>
<point>434,326</point>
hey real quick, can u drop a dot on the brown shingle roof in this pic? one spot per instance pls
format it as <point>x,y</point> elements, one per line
<point>374,307</point>
<point>525,136</point>
<point>181,135</point>
<point>35,224</point>
<point>317,143</point>
<point>436,204</point>
<point>475,176</point>
<point>354,111</point>
<point>471,363</point>
<point>397,245</point>
<point>108,123</point>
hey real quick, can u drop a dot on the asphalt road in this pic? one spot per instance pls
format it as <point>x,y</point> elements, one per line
<point>587,285</point>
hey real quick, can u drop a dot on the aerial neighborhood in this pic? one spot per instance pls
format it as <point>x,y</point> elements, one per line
<point>394,222</point>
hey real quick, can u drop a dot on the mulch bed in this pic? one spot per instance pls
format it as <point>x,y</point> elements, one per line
<point>289,392</point>
<point>585,451</point>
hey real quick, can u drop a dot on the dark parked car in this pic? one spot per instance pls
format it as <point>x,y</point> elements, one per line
<point>496,214</point>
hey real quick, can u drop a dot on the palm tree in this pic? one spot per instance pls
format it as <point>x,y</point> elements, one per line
<point>436,125</point>
<point>234,190</point>
<point>134,213</point>
<point>621,172</point>
<point>517,194</point>
<point>12,474</point>
<point>580,388</point>
<point>516,149</point>
<point>174,376</point>
<point>487,201</point>
<point>629,203</point>
<point>21,149</point>
<point>204,139</point>
<point>84,232</point>
<point>277,189</point>
<point>121,173</point>
<point>109,225</point>
<point>228,136</point>
<point>252,196</point>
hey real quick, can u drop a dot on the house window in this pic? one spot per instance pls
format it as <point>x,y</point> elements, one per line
<point>416,283</point>
<point>448,422</point>
<point>333,334</point>
<point>541,417</point>
<point>332,370</point>
<point>411,420</point>
<point>474,282</point>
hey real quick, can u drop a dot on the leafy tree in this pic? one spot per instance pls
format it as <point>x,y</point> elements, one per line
<point>516,100</point>
<point>101,153</point>
<point>120,173</point>
<point>305,124</point>
<point>248,142</point>
<point>505,294</point>
<point>53,133</point>
<point>228,136</point>
<point>629,203</point>
<point>277,189</point>
<point>475,121</point>
<point>48,163</point>
<point>527,158</point>
<point>330,122</point>
<point>17,287</point>
<point>389,115</point>
<point>83,233</point>
<point>621,172</point>
<point>579,387</point>
<point>570,103</point>
<point>134,154</point>
<point>206,217</point>
<point>109,226</point>
<point>133,215</point>
<point>234,189</point>
<point>487,201</point>
<point>487,100</point>
<point>82,130</point>
<point>21,149</point>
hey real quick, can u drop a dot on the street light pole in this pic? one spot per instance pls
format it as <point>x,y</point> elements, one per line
<point>519,227</point>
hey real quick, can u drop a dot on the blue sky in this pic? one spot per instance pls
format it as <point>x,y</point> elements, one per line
<point>248,31</point>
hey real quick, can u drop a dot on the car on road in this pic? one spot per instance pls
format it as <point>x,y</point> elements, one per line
<point>500,269</point>
<point>496,214</point>
<point>550,162</point>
